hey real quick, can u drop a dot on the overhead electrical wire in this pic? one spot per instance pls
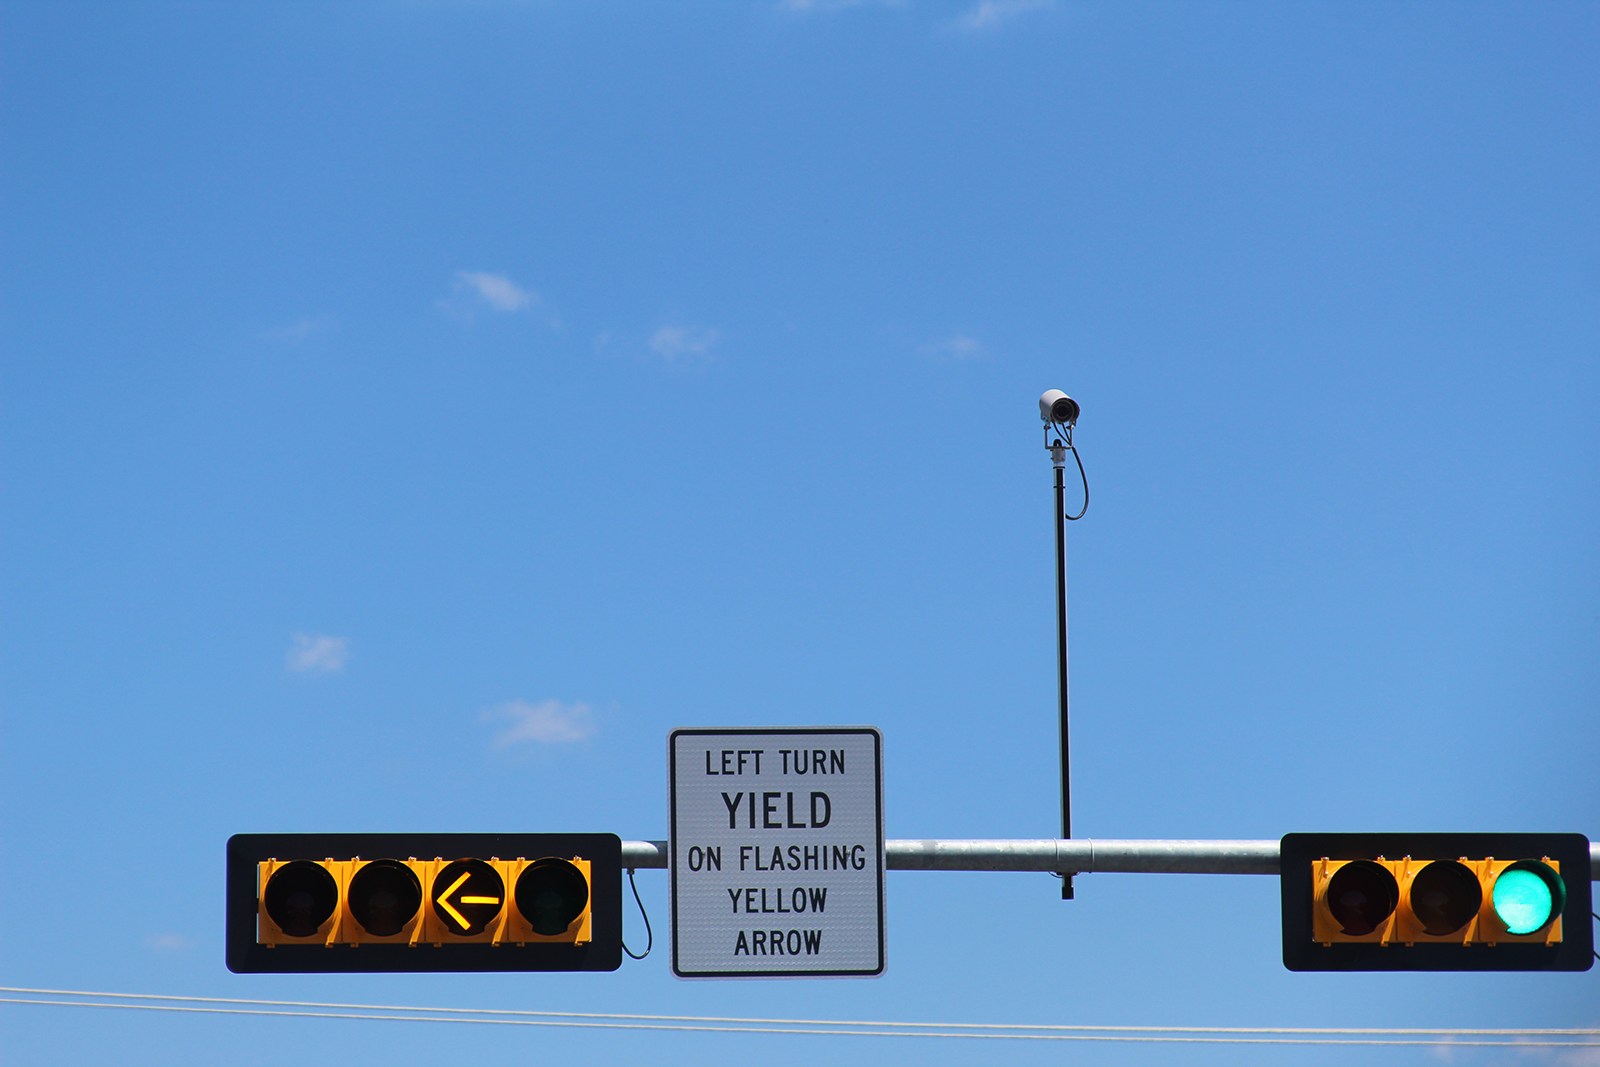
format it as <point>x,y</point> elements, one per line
<point>837,1027</point>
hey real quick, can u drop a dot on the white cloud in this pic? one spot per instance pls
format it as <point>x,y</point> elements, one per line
<point>1443,1053</point>
<point>317,653</point>
<point>547,723</point>
<point>496,290</point>
<point>988,14</point>
<point>955,349</point>
<point>170,942</point>
<point>473,291</point>
<point>683,346</point>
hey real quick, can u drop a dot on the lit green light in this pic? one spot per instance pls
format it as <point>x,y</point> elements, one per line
<point>1522,900</point>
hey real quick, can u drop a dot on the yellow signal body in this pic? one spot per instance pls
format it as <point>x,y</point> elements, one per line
<point>466,908</point>
<point>1404,925</point>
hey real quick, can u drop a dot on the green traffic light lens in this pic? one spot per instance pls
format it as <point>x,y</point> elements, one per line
<point>1522,901</point>
<point>1527,895</point>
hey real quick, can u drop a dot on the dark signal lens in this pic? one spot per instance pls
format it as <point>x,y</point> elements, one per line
<point>1361,895</point>
<point>1445,895</point>
<point>550,894</point>
<point>300,897</point>
<point>384,895</point>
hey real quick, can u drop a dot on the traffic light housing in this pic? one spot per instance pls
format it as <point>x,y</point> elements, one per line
<point>424,902</point>
<point>1436,902</point>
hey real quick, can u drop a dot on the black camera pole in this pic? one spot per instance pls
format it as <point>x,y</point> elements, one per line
<point>1059,413</point>
<point>1058,455</point>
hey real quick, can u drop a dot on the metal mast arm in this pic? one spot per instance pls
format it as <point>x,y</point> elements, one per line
<point>1081,855</point>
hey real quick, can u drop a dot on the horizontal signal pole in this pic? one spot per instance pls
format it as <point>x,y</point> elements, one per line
<point>1086,855</point>
<point>1081,855</point>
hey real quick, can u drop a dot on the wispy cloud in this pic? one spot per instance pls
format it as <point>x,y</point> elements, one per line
<point>1589,1057</point>
<point>317,653</point>
<point>474,291</point>
<point>990,14</point>
<point>957,349</point>
<point>1443,1053</point>
<point>684,346</point>
<point>170,942</point>
<point>498,291</point>
<point>300,329</point>
<point>548,723</point>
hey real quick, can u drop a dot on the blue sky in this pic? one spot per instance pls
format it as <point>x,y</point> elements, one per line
<point>413,411</point>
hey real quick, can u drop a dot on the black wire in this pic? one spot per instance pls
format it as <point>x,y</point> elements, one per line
<point>1066,435</point>
<point>1085,477</point>
<point>649,933</point>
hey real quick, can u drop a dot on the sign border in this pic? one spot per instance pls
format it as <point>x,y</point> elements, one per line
<point>672,844</point>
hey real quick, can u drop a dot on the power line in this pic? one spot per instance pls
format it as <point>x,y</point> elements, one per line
<point>1145,1038</point>
<point>587,1020</point>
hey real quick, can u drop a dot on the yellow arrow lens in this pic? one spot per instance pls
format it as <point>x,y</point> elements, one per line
<point>444,901</point>
<point>469,878</point>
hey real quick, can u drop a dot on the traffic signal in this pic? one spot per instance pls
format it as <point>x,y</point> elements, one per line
<point>1436,902</point>
<point>424,902</point>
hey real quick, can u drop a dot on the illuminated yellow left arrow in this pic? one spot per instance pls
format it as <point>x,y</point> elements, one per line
<point>444,901</point>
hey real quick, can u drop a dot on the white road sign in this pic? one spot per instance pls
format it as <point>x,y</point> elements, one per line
<point>777,852</point>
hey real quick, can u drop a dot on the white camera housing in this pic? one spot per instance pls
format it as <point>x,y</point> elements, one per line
<point>1057,407</point>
